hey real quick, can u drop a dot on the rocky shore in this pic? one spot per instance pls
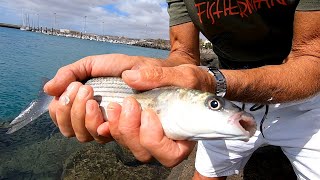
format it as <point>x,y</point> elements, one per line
<point>155,44</point>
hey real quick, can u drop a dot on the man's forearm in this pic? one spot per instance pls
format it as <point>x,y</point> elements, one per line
<point>184,40</point>
<point>297,78</point>
<point>180,57</point>
<point>294,80</point>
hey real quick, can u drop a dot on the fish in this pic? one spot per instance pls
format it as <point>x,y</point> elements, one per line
<point>185,114</point>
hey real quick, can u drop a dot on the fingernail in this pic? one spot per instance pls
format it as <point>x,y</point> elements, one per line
<point>70,87</point>
<point>89,107</point>
<point>83,93</point>
<point>103,129</point>
<point>45,87</point>
<point>145,119</point>
<point>100,130</point>
<point>110,113</point>
<point>49,82</point>
<point>132,75</point>
<point>128,106</point>
<point>64,100</point>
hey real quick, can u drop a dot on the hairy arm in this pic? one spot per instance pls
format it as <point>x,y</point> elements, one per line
<point>297,78</point>
<point>184,40</point>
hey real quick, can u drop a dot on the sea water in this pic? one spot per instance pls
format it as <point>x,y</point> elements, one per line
<point>39,151</point>
<point>26,57</point>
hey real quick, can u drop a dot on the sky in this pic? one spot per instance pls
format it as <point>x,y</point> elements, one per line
<point>130,18</point>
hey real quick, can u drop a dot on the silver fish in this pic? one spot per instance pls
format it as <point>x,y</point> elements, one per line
<point>185,114</point>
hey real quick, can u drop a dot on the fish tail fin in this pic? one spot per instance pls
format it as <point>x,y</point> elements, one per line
<point>35,109</point>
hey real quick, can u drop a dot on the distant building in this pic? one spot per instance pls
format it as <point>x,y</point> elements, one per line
<point>64,31</point>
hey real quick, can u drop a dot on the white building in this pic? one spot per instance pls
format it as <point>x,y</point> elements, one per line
<point>64,31</point>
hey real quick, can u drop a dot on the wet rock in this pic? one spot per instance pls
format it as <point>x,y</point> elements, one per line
<point>185,169</point>
<point>36,131</point>
<point>37,160</point>
<point>99,162</point>
<point>208,58</point>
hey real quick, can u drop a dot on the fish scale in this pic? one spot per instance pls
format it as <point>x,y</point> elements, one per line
<point>185,114</point>
<point>111,89</point>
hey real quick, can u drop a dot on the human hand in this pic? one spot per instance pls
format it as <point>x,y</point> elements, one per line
<point>186,75</point>
<point>141,131</point>
<point>81,116</point>
<point>73,109</point>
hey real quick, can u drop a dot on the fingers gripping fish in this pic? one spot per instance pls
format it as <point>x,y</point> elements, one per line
<point>185,114</point>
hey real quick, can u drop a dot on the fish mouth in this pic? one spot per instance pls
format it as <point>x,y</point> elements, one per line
<point>245,122</point>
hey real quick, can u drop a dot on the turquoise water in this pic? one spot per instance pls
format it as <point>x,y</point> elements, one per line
<point>39,151</point>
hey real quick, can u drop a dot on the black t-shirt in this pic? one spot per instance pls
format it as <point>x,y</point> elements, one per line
<point>244,33</point>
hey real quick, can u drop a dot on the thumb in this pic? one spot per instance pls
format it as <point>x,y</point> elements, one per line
<point>91,66</point>
<point>187,76</point>
<point>57,85</point>
<point>168,152</point>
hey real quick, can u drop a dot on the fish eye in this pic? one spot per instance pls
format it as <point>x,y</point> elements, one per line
<point>214,104</point>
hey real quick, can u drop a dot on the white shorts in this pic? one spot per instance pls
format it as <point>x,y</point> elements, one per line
<point>292,126</point>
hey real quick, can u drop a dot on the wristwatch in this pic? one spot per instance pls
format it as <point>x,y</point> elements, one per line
<point>221,84</point>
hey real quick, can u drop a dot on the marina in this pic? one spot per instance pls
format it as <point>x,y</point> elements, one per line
<point>149,43</point>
